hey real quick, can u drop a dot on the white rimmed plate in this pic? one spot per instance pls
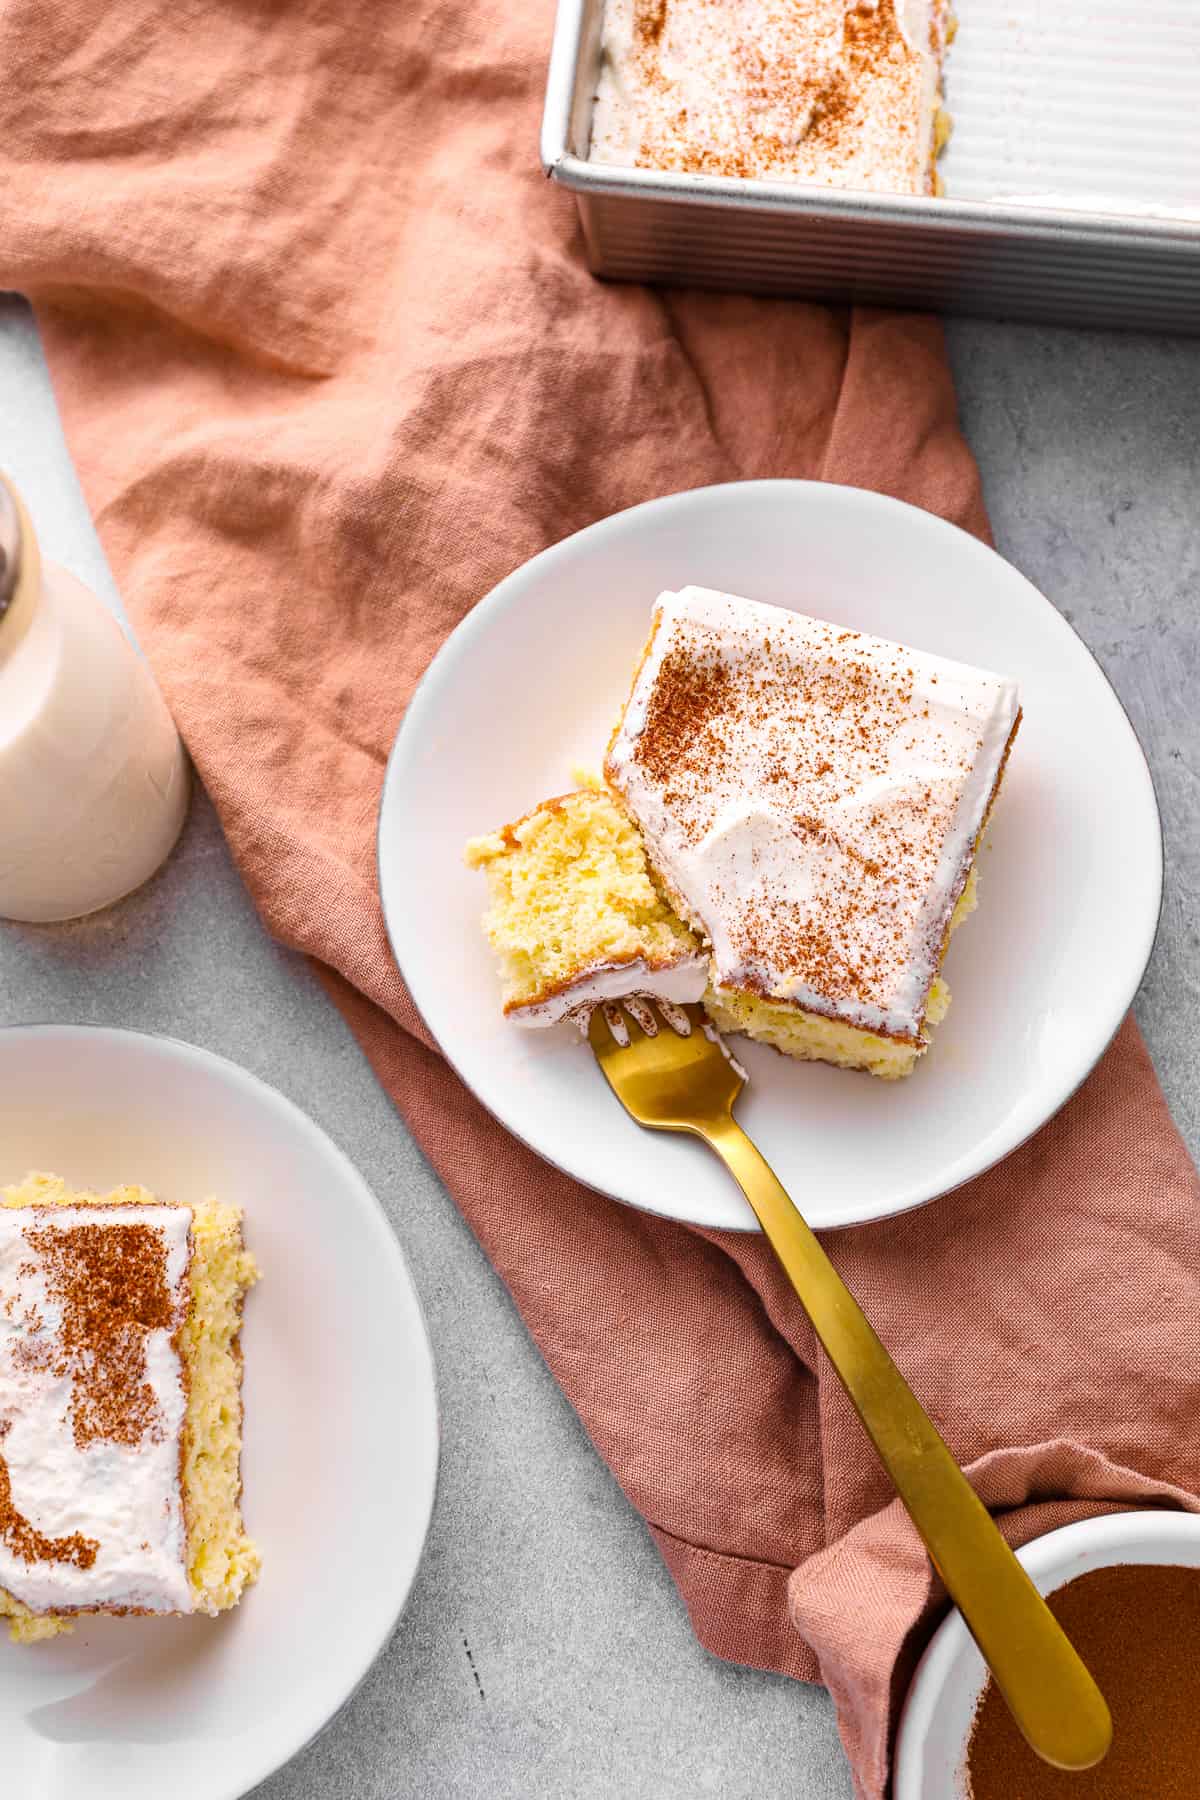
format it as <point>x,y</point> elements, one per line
<point>531,682</point>
<point>341,1435</point>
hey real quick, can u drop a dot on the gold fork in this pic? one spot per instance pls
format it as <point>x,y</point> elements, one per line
<point>671,1082</point>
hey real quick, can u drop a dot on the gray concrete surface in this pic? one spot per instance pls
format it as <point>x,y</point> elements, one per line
<point>538,1579</point>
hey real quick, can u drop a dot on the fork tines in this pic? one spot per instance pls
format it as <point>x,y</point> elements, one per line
<point>644,1015</point>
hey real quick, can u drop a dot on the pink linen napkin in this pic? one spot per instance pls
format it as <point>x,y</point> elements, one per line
<point>330,365</point>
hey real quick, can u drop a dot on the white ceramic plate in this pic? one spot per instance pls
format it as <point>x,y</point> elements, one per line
<point>531,683</point>
<point>935,1727</point>
<point>341,1433</point>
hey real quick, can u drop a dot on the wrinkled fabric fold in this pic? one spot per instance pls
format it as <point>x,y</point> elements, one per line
<point>331,364</point>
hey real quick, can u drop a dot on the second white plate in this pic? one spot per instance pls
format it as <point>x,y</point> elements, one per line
<point>341,1436</point>
<point>1071,879</point>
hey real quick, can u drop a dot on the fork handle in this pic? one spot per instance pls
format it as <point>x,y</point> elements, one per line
<point>1053,1699</point>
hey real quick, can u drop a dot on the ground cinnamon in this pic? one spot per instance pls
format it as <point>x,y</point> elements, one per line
<point>1136,1627</point>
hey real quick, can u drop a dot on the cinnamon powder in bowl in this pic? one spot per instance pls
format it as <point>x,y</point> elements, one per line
<point>1127,1588</point>
<point>1136,1627</point>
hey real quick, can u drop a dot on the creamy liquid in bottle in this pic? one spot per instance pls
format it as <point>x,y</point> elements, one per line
<point>93,778</point>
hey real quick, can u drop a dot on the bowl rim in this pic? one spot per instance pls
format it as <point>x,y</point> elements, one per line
<point>1048,1560</point>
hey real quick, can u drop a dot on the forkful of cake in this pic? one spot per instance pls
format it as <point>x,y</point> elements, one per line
<point>676,1075</point>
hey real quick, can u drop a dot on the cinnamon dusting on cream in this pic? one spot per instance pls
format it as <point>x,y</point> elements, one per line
<point>844,92</point>
<point>811,798</point>
<point>111,1283</point>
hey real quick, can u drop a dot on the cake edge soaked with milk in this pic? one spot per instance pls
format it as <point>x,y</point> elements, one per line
<point>974,720</point>
<point>177,1421</point>
<point>844,94</point>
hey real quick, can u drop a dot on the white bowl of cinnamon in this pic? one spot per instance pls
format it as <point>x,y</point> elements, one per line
<point>1127,1590</point>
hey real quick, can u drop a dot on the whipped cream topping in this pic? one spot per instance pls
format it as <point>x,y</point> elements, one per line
<point>682,983</point>
<point>811,799</point>
<point>92,1406</point>
<point>793,90</point>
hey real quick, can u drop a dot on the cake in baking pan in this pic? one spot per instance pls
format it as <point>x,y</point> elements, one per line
<point>845,93</point>
<point>811,801</point>
<point>120,1406</point>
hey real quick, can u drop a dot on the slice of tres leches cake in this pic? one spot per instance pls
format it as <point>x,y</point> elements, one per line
<point>120,1406</point>
<point>811,801</point>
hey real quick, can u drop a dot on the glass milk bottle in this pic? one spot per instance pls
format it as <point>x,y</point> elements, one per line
<point>93,778</point>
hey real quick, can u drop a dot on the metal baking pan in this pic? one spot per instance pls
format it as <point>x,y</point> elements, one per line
<point>1006,258</point>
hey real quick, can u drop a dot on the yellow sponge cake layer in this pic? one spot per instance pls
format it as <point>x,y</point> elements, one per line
<point>575,916</point>
<point>222,1560</point>
<point>810,1038</point>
